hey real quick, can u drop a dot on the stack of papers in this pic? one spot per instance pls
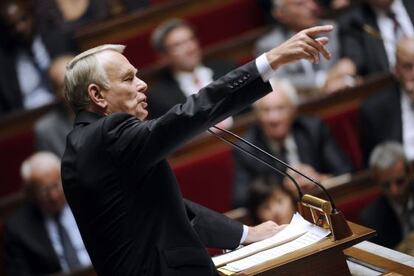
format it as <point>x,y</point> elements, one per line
<point>298,234</point>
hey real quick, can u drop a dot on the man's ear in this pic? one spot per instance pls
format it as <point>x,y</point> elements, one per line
<point>96,95</point>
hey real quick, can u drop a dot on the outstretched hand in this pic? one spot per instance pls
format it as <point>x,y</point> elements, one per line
<point>304,45</point>
<point>262,231</point>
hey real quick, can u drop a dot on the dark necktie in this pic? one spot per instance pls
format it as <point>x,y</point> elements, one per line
<point>398,31</point>
<point>69,252</point>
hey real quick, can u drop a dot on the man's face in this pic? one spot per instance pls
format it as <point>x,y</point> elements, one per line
<point>182,49</point>
<point>47,189</point>
<point>297,14</point>
<point>19,20</point>
<point>404,68</point>
<point>394,182</point>
<point>278,208</point>
<point>126,91</point>
<point>276,114</point>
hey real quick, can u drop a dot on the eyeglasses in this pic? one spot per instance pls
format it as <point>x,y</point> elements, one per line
<point>48,189</point>
<point>399,181</point>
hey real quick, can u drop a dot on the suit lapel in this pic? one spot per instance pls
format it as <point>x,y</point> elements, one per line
<point>39,240</point>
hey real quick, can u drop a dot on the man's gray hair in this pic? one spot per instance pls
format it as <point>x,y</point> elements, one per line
<point>83,70</point>
<point>161,32</point>
<point>386,154</point>
<point>38,159</point>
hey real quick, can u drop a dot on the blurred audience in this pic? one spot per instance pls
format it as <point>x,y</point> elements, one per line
<point>42,236</point>
<point>392,214</point>
<point>294,16</point>
<point>303,142</point>
<point>369,33</point>
<point>68,15</point>
<point>51,129</point>
<point>268,199</point>
<point>389,115</point>
<point>25,55</point>
<point>178,45</point>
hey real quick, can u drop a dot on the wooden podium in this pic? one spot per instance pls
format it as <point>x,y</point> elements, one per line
<point>323,258</point>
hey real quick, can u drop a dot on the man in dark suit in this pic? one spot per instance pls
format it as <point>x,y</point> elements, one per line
<point>25,54</point>
<point>370,32</point>
<point>33,241</point>
<point>390,114</point>
<point>303,142</point>
<point>392,214</point>
<point>185,75</point>
<point>121,189</point>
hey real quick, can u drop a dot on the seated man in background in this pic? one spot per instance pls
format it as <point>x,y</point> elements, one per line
<point>303,142</point>
<point>294,16</point>
<point>369,33</point>
<point>51,129</point>
<point>392,214</point>
<point>26,52</point>
<point>390,114</point>
<point>42,236</point>
<point>177,43</point>
<point>269,199</point>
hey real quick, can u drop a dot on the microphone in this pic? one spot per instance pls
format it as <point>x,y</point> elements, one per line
<point>299,190</point>
<point>277,160</point>
<point>334,218</point>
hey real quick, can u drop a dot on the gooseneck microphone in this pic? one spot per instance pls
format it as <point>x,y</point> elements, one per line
<point>334,210</point>
<point>300,193</point>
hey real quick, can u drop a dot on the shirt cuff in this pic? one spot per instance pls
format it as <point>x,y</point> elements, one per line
<point>245,232</point>
<point>264,68</point>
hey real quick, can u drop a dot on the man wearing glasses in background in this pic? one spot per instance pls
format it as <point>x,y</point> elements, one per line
<point>42,237</point>
<point>392,214</point>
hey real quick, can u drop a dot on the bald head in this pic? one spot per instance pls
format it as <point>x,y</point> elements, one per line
<point>276,111</point>
<point>41,177</point>
<point>404,68</point>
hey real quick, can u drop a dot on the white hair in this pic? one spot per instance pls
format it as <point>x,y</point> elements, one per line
<point>386,155</point>
<point>83,70</point>
<point>286,87</point>
<point>36,161</point>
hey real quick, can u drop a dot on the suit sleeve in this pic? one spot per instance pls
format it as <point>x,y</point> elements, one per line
<point>214,229</point>
<point>15,259</point>
<point>334,158</point>
<point>150,141</point>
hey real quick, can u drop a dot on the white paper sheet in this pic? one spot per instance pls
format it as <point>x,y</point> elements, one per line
<point>298,234</point>
<point>298,228</point>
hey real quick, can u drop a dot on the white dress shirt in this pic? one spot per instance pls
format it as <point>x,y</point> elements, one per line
<point>34,92</point>
<point>407,116</point>
<point>69,223</point>
<point>386,27</point>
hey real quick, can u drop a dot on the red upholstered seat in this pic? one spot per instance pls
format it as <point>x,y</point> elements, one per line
<point>353,207</point>
<point>13,150</point>
<point>344,127</point>
<point>207,179</point>
<point>212,25</point>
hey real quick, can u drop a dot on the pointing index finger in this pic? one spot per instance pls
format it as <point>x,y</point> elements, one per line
<point>315,31</point>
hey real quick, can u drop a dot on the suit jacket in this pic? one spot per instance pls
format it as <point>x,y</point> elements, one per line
<point>124,195</point>
<point>10,94</point>
<point>166,92</point>
<point>315,145</point>
<point>51,130</point>
<point>380,118</point>
<point>380,216</point>
<point>29,250</point>
<point>295,72</point>
<point>367,52</point>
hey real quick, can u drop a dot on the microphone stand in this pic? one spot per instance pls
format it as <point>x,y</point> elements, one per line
<point>309,206</point>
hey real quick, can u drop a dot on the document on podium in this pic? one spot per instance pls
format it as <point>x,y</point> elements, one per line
<point>298,234</point>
